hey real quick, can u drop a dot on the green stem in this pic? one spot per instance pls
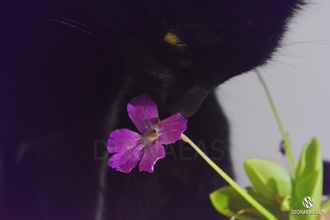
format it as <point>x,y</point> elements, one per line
<point>290,159</point>
<point>242,192</point>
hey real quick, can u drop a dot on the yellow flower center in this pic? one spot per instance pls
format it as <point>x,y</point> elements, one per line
<point>153,136</point>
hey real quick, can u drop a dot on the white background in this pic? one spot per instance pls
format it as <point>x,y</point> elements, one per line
<point>298,78</point>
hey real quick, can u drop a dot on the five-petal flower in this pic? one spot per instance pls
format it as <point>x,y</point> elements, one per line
<point>130,147</point>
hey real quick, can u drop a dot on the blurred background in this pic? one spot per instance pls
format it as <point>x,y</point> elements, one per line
<point>298,78</point>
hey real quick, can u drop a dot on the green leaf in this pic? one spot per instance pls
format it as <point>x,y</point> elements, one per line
<point>310,159</point>
<point>309,180</point>
<point>280,211</point>
<point>228,202</point>
<point>306,187</point>
<point>268,178</point>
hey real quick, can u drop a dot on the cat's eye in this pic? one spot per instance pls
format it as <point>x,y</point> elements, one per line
<point>174,41</point>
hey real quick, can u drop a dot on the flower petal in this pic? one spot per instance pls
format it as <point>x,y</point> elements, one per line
<point>125,143</point>
<point>153,152</point>
<point>170,129</point>
<point>121,140</point>
<point>126,161</point>
<point>143,112</point>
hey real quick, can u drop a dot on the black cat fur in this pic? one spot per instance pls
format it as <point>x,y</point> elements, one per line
<point>68,70</point>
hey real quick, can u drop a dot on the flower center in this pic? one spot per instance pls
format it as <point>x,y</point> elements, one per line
<point>153,136</point>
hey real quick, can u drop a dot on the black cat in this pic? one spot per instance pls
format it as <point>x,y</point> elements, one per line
<point>68,70</point>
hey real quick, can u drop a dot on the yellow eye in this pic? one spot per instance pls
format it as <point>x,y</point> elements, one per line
<point>174,40</point>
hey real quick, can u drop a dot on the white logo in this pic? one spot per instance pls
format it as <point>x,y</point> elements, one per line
<point>308,202</point>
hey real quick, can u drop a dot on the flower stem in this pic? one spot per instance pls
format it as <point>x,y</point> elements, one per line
<point>242,192</point>
<point>290,159</point>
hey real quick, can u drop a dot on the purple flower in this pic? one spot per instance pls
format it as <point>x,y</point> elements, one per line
<point>148,147</point>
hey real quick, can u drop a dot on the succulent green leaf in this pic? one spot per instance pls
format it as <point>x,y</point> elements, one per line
<point>228,202</point>
<point>268,178</point>
<point>309,180</point>
<point>310,159</point>
<point>285,206</point>
<point>279,210</point>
